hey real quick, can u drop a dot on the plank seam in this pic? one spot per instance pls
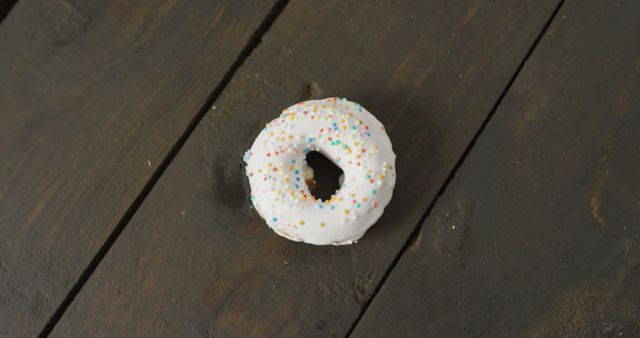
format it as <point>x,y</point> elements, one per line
<point>251,45</point>
<point>5,8</point>
<point>415,232</point>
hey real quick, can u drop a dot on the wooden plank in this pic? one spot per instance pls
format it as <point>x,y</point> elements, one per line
<point>538,235</point>
<point>93,96</point>
<point>197,261</point>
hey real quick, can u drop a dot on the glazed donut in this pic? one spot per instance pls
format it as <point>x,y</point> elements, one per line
<point>350,137</point>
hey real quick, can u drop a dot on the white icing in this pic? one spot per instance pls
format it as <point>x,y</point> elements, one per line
<point>276,168</point>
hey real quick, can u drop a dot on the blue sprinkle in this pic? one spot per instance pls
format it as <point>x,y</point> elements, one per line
<point>369,134</point>
<point>293,161</point>
<point>320,206</point>
<point>297,186</point>
<point>368,176</point>
<point>353,128</point>
<point>373,191</point>
<point>310,139</point>
<point>306,150</point>
<point>344,146</point>
<point>298,179</point>
<point>275,219</point>
<point>332,207</point>
<point>358,205</point>
<point>297,171</point>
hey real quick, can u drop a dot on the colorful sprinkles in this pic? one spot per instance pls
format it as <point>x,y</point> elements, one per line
<point>277,171</point>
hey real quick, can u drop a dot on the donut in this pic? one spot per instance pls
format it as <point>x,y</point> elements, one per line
<point>279,177</point>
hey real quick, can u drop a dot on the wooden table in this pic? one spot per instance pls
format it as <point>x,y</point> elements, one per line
<point>124,207</point>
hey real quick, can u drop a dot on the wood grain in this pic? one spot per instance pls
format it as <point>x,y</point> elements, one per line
<point>93,96</point>
<point>538,235</point>
<point>197,261</point>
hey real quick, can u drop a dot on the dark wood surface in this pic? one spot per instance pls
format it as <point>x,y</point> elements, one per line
<point>93,96</point>
<point>538,235</point>
<point>195,260</point>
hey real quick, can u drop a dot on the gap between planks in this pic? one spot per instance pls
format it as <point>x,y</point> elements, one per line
<point>416,231</point>
<point>252,44</point>
<point>5,8</point>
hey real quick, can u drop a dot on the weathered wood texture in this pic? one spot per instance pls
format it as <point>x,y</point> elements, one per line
<point>93,95</point>
<point>197,261</point>
<point>538,235</point>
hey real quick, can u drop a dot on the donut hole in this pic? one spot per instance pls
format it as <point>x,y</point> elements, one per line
<point>324,178</point>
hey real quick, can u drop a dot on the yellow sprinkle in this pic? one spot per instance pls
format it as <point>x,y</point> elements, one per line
<point>322,224</point>
<point>301,222</point>
<point>346,211</point>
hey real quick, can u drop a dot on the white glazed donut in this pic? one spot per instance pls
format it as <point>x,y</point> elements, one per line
<point>346,134</point>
